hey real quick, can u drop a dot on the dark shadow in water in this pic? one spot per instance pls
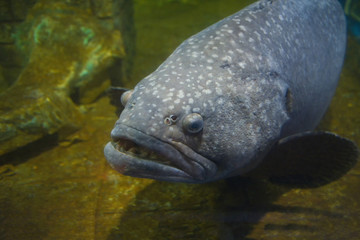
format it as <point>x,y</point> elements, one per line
<point>223,210</point>
<point>31,150</point>
<point>325,122</point>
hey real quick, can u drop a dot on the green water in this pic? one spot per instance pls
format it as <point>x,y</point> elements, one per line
<point>66,190</point>
<point>161,27</point>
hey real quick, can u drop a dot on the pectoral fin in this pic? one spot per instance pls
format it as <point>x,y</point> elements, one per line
<point>309,159</point>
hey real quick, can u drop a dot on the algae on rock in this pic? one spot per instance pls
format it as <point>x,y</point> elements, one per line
<point>67,53</point>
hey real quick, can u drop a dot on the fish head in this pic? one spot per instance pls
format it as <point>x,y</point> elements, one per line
<point>194,131</point>
<point>209,111</point>
<point>159,133</point>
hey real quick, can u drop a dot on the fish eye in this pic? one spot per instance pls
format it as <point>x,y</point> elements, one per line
<point>193,123</point>
<point>125,97</point>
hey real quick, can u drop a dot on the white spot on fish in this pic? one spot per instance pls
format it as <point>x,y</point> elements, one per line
<point>207,91</point>
<point>166,99</point>
<point>220,101</point>
<point>242,64</point>
<point>187,108</point>
<point>194,54</point>
<point>239,50</point>
<point>180,94</point>
<point>197,94</point>
<point>248,19</point>
<point>227,58</point>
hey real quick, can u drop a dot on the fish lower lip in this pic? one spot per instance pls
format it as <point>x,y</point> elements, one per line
<point>133,166</point>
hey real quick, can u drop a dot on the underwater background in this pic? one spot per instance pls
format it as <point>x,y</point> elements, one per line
<point>57,58</point>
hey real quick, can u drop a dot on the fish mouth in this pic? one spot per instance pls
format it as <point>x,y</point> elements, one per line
<point>134,150</point>
<point>134,153</point>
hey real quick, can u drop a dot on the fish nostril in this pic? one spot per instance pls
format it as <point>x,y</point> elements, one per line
<point>170,120</point>
<point>173,118</point>
<point>167,121</point>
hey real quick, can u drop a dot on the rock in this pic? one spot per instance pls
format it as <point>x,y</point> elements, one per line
<point>68,54</point>
<point>3,83</point>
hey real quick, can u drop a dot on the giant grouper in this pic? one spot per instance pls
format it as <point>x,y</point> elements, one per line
<point>243,94</point>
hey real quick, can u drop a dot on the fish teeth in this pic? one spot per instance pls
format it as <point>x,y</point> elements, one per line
<point>118,147</point>
<point>132,150</point>
<point>142,152</point>
<point>152,155</point>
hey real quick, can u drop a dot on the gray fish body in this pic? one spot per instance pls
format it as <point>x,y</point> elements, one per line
<point>267,72</point>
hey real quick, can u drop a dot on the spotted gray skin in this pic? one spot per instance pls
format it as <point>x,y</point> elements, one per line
<point>267,72</point>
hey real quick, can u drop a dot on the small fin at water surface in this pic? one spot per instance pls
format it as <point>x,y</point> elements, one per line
<point>115,97</point>
<point>309,159</point>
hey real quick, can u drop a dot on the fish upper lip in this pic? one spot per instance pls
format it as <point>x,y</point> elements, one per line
<point>142,155</point>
